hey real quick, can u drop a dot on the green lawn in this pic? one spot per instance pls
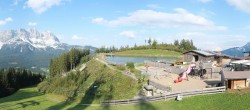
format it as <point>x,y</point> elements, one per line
<point>150,53</point>
<point>30,99</point>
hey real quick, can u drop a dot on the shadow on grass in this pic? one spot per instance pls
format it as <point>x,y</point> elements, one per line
<point>109,97</point>
<point>90,95</point>
<point>28,103</point>
<point>141,106</point>
<point>63,104</point>
<point>59,106</point>
<point>20,105</point>
<point>146,106</point>
<point>20,95</point>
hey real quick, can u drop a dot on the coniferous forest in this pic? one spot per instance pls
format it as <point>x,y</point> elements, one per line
<point>13,79</point>
<point>178,46</point>
<point>62,64</point>
<point>68,61</point>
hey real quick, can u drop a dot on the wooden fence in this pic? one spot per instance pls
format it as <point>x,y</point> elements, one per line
<point>204,91</point>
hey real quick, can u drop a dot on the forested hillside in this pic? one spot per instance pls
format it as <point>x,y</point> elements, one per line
<point>68,61</point>
<point>96,82</point>
<point>13,79</point>
<point>178,46</point>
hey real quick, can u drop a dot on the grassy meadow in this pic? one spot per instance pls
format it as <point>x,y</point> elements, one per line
<point>30,99</point>
<point>150,53</point>
<point>96,83</point>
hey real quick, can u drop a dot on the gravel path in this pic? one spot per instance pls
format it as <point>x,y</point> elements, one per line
<point>132,75</point>
<point>160,76</point>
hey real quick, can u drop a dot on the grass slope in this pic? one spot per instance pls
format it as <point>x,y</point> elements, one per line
<point>30,99</point>
<point>110,84</point>
<point>150,53</point>
<point>93,85</point>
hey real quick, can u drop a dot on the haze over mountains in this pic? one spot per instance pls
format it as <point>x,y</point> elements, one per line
<point>31,49</point>
<point>237,51</point>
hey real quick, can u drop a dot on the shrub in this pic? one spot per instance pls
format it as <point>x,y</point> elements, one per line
<point>121,67</point>
<point>130,65</point>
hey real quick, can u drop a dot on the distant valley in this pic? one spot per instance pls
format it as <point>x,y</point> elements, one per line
<point>31,49</point>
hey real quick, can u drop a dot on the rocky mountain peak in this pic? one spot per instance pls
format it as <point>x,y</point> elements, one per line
<point>237,51</point>
<point>247,45</point>
<point>31,49</point>
<point>31,36</point>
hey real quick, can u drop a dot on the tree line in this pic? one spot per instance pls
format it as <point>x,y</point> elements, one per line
<point>69,84</point>
<point>13,79</point>
<point>178,46</point>
<point>68,61</point>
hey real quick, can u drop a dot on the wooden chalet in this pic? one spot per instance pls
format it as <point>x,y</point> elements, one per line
<point>235,79</point>
<point>206,56</point>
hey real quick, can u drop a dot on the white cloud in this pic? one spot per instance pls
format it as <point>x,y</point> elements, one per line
<point>242,5</point>
<point>32,24</point>
<point>247,27</point>
<point>100,20</point>
<point>130,34</point>
<point>5,21</point>
<point>206,13</point>
<point>180,19</point>
<point>153,6</point>
<point>8,19</point>
<point>76,37</point>
<point>40,6</point>
<point>204,1</point>
<point>194,34</point>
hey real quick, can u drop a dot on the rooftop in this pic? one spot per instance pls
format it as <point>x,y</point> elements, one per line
<point>236,74</point>
<point>205,53</point>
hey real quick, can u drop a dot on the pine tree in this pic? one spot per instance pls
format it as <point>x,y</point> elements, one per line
<point>154,44</point>
<point>135,46</point>
<point>176,42</point>
<point>149,41</point>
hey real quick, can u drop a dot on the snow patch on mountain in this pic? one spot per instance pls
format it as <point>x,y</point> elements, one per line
<point>40,40</point>
<point>237,51</point>
<point>1,44</point>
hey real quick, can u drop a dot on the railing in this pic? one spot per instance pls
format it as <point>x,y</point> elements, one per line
<point>204,91</point>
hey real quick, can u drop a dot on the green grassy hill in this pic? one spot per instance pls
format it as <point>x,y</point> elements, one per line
<point>149,53</point>
<point>30,99</point>
<point>110,84</point>
<point>96,83</point>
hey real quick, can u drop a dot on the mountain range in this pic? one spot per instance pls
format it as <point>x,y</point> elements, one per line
<point>31,49</point>
<point>237,51</point>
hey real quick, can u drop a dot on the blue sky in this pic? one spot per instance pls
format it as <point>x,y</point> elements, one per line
<point>211,24</point>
